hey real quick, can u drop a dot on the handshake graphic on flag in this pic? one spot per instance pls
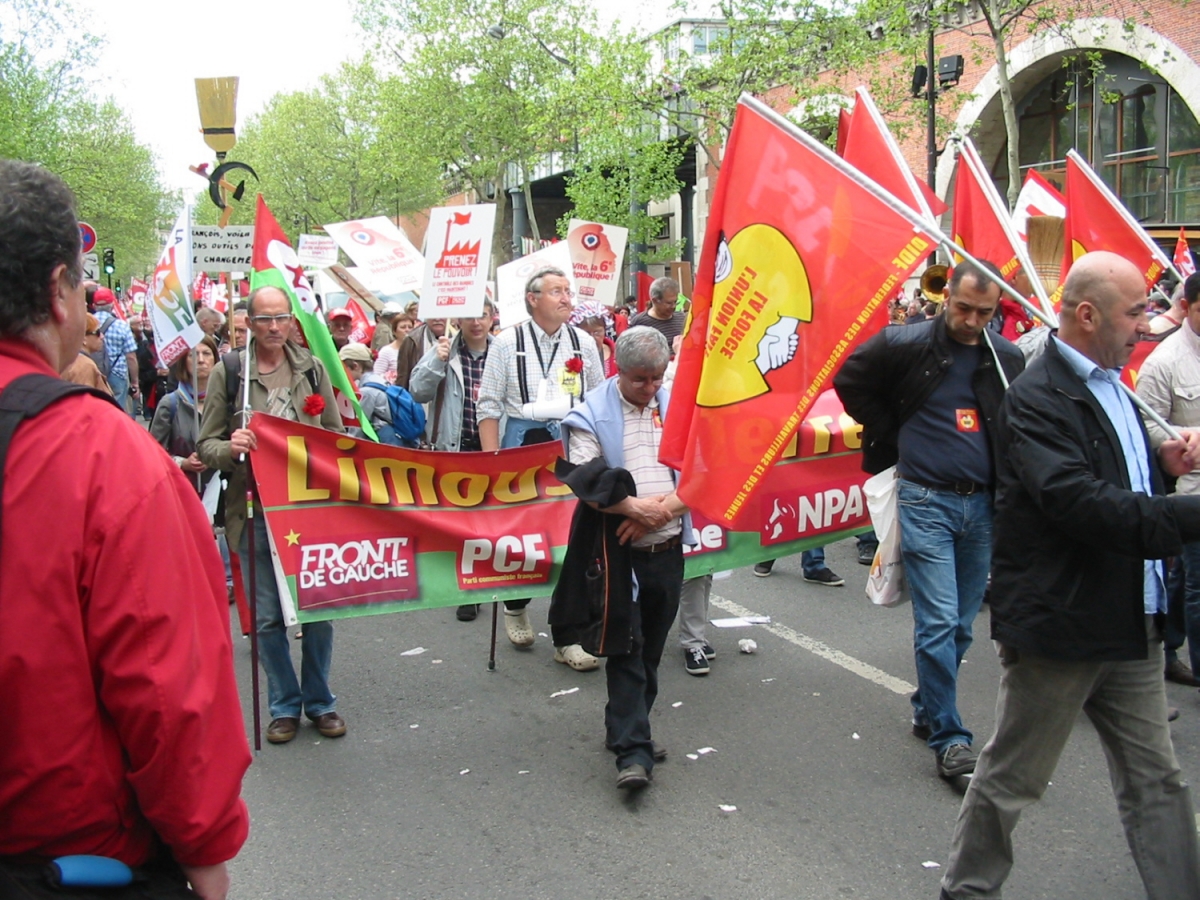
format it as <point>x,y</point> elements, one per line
<point>760,296</point>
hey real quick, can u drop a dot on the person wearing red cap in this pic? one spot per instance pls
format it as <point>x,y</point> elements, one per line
<point>120,347</point>
<point>341,323</point>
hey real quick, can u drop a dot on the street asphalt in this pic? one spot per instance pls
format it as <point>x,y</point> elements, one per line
<point>458,782</point>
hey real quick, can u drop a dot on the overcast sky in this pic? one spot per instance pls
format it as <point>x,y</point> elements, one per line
<point>151,58</point>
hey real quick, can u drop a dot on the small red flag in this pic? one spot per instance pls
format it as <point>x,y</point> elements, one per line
<point>798,258</point>
<point>871,148</point>
<point>977,227</point>
<point>1184,261</point>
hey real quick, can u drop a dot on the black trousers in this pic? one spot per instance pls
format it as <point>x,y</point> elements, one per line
<point>633,677</point>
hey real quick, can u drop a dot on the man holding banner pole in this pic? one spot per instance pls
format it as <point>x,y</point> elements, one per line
<point>535,373</point>
<point>927,396</point>
<point>287,381</point>
<point>1077,598</point>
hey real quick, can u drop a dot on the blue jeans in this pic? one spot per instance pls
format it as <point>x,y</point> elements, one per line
<point>120,388</point>
<point>946,541</point>
<point>286,696</point>
<point>1191,600</point>
<point>812,561</point>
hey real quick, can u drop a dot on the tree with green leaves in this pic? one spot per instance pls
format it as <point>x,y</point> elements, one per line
<point>47,116</point>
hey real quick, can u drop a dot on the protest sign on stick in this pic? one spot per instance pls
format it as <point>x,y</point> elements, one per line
<point>458,250</point>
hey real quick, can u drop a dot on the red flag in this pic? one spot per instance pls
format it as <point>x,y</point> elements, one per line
<point>1183,256</point>
<point>1096,220</point>
<point>643,290</point>
<point>798,258</point>
<point>361,330</point>
<point>462,218</point>
<point>872,149</point>
<point>1038,197</point>
<point>1141,350</point>
<point>843,131</point>
<point>977,227</point>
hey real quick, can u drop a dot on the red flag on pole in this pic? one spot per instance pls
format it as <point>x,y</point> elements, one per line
<point>872,149</point>
<point>1097,220</point>
<point>361,330</point>
<point>977,226</point>
<point>843,131</point>
<point>798,258</point>
<point>1038,197</point>
<point>1184,261</point>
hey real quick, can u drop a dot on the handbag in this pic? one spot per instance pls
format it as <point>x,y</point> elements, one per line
<point>886,585</point>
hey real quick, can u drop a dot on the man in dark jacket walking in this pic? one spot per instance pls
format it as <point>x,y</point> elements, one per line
<point>927,396</point>
<point>1077,594</point>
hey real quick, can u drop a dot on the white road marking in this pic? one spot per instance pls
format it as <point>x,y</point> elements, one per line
<point>837,657</point>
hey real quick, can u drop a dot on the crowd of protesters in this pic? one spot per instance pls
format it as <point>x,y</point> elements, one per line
<point>995,451</point>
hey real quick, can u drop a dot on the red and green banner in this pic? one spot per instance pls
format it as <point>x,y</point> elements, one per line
<point>276,265</point>
<point>799,257</point>
<point>364,528</point>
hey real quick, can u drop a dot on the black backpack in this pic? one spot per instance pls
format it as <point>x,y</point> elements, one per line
<point>100,357</point>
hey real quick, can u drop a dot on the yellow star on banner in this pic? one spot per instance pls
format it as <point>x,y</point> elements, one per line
<point>292,538</point>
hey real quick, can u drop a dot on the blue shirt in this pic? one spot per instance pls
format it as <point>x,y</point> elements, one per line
<point>118,340</point>
<point>1105,385</point>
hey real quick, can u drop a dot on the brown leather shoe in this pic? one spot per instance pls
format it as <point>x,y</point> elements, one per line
<point>330,724</point>
<point>282,730</point>
<point>1181,673</point>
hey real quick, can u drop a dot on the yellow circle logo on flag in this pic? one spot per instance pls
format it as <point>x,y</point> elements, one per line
<point>760,296</point>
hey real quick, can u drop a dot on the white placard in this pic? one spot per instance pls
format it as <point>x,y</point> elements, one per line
<point>393,265</point>
<point>216,249</point>
<point>91,267</point>
<point>316,251</point>
<point>596,254</point>
<point>171,316</point>
<point>458,249</point>
<point>512,277</point>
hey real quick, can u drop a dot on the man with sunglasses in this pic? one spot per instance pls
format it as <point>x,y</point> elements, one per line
<point>283,379</point>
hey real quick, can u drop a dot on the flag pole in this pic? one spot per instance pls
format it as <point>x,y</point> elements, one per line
<point>929,227</point>
<point>971,156</point>
<point>252,599</point>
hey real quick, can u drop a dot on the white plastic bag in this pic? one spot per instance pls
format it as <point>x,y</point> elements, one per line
<point>886,585</point>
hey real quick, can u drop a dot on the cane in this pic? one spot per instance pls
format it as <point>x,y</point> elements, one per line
<point>253,592</point>
<point>492,653</point>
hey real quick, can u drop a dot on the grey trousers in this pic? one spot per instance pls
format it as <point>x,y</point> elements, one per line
<point>693,611</point>
<point>1037,706</point>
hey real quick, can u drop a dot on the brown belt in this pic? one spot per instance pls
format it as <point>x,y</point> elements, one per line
<point>668,544</point>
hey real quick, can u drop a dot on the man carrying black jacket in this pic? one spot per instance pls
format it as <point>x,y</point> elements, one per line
<point>1077,594</point>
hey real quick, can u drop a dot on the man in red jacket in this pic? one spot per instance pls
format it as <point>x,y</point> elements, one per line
<point>124,734</point>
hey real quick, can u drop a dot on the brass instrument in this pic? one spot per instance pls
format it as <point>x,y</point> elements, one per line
<point>933,283</point>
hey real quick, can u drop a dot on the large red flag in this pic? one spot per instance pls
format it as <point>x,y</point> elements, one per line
<point>1097,220</point>
<point>798,258</point>
<point>1038,197</point>
<point>872,149</point>
<point>1183,255</point>
<point>843,130</point>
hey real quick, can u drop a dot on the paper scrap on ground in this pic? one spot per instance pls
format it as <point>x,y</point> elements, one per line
<point>435,661</point>
<point>704,750</point>
<point>692,756</point>
<point>741,621</point>
<point>464,771</point>
<point>727,807</point>
<point>855,736</point>
<point>563,693</point>
<point>677,704</point>
<point>522,771</point>
<point>767,680</point>
<point>414,725</point>
<point>415,651</point>
<point>930,864</point>
<point>543,634</point>
<point>747,646</point>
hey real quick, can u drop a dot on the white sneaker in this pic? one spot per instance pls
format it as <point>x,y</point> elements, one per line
<point>517,627</point>
<point>576,657</point>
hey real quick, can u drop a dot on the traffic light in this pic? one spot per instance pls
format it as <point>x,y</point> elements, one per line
<point>110,264</point>
<point>118,288</point>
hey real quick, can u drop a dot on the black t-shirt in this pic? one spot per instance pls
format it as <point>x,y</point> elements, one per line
<point>671,328</point>
<point>945,440</point>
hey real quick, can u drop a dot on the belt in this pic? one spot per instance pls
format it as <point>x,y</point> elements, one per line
<point>668,544</point>
<point>962,488</point>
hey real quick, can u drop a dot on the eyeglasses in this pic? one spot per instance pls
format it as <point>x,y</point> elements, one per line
<point>281,319</point>
<point>557,292</point>
<point>94,333</point>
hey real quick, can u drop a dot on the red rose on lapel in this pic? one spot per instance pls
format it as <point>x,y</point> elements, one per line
<point>314,405</point>
<point>574,365</point>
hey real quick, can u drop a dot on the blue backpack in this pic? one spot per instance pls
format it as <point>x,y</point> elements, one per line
<point>408,417</point>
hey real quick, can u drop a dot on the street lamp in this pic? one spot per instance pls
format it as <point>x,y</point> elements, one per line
<point>500,30</point>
